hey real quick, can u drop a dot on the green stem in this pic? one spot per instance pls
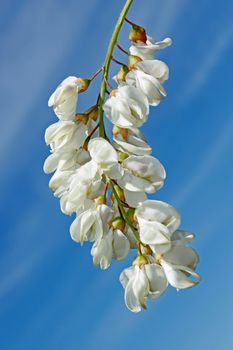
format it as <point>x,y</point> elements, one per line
<point>106,66</point>
<point>124,214</point>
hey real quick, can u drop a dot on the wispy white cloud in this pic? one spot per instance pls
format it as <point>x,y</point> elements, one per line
<point>26,250</point>
<point>206,61</point>
<point>39,39</point>
<point>210,160</point>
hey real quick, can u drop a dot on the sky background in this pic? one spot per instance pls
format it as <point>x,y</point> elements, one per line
<point>51,295</point>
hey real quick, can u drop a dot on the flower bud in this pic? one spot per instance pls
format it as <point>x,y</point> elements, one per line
<point>130,215</point>
<point>118,224</point>
<point>145,249</point>
<point>120,192</point>
<point>85,84</point>
<point>137,33</point>
<point>100,200</point>
<point>117,130</point>
<point>81,117</point>
<point>140,261</point>
<point>120,77</point>
<point>93,112</point>
<point>132,61</point>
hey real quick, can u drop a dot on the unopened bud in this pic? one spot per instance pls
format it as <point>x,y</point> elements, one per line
<point>100,200</point>
<point>120,77</point>
<point>120,192</point>
<point>81,117</point>
<point>137,33</point>
<point>122,156</point>
<point>131,216</point>
<point>140,260</point>
<point>85,84</point>
<point>93,112</point>
<point>117,130</point>
<point>145,249</point>
<point>132,61</point>
<point>118,224</point>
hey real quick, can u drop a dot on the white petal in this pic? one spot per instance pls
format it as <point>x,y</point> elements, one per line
<point>134,144</point>
<point>64,99</point>
<point>134,198</point>
<point>143,174</point>
<point>81,225</point>
<point>137,291</point>
<point>155,68</point>
<point>101,151</point>
<point>153,232</point>
<point>121,245</point>
<point>157,280</point>
<point>161,212</point>
<point>102,251</point>
<point>147,51</point>
<point>50,164</point>
<point>126,275</point>
<point>148,85</point>
<point>182,237</point>
<point>181,255</point>
<point>177,275</point>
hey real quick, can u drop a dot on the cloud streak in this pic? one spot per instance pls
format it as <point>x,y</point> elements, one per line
<point>205,65</point>
<point>206,166</point>
<point>33,45</point>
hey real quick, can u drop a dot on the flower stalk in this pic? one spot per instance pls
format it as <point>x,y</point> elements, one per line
<point>107,62</point>
<point>123,212</point>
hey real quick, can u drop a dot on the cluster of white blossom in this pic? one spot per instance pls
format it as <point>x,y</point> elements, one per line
<point>105,182</point>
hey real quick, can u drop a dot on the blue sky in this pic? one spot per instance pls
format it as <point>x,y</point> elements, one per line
<point>51,296</point>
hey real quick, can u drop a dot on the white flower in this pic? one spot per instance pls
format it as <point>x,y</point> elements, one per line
<point>148,77</point>
<point>64,98</point>
<point>113,244</point>
<point>147,51</point>
<point>66,135</point>
<point>157,221</point>
<point>68,160</point>
<point>90,224</point>
<point>142,174</point>
<point>127,107</point>
<point>105,156</point>
<point>134,142</point>
<point>60,181</point>
<point>141,283</point>
<point>180,261</point>
<point>85,185</point>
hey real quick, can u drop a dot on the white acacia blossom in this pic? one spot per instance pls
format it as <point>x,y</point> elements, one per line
<point>146,51</point>
<point>142,283</point>
<point>64,99</point>
<point>148,77</point>
<point>127,107</point>
<point>66,135</point>
<point>131,141</point>
<point>113,244</point>
<point>157,221</point>
<point>104,180</point>
<point>142,174</point>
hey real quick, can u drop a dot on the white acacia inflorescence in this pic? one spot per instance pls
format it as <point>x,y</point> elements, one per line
<point>105,180</point>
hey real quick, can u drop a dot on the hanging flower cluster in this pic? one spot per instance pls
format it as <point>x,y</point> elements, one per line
<point>105,180</point>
